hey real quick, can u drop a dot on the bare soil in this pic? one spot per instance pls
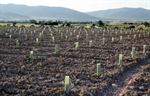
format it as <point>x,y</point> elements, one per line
<point>44,75</point>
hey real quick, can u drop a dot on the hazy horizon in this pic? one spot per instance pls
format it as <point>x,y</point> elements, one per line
<point>84,5</point>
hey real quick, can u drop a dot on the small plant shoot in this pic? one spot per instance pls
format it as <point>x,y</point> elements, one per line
<point>40,35</point>
<point>31,55</point>
<point>6,34</point>
<point>98,69</point>
<point>112,39</point>
<point>134,36</point>
<point>90,43</point>
<point>53,39</point>
<point>10,37</point>
<point>144,48</point>
<point>133,52</point>
<point>77,37</point>
<point>120,59</point>
<point>139,35</point>
<point>76,45</point>
<point>86,35</point>
<point>128,37</point>
<point>37,41</point>
<point>17,43</point>
<point>103,41</point>
<point>67,84</point>
<point>56,49</point>
<point>120,38</point>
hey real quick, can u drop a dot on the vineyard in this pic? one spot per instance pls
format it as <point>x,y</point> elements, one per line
<point>37,60</point>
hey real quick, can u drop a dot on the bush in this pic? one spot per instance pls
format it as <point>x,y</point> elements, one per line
<point>68,24</point>
<point>130,27</point>
<point>14,23</point>
<point>146,24</point>
<point>100,23</point>
<point>33,21</point>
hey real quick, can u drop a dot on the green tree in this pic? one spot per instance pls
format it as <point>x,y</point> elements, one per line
<point>14,23</point>
<point>146,24</point>
<point>33,21</point>
<point>67,23</point>
<point>100,23</point>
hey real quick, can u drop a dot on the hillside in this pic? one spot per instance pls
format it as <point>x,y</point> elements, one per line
<point>23,12</point>
<point>12,16</point>
<point>122,14</point>
<point>45,12</point>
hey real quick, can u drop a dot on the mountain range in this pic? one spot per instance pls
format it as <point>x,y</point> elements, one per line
<point>23,12</point>
<point>46,13</point>
<point>123,14</point>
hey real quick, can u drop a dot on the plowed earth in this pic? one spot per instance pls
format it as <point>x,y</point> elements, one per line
<point>44,75</point>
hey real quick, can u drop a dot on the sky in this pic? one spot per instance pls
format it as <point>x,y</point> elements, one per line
<point>84,5</point>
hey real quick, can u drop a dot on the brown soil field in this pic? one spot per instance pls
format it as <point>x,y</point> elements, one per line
<point>45,74</point>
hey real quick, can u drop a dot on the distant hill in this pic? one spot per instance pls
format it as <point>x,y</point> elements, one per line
<point>23,12</point>
<point>45,12</point>
<point>122,14</point>
<point>12,16</point>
